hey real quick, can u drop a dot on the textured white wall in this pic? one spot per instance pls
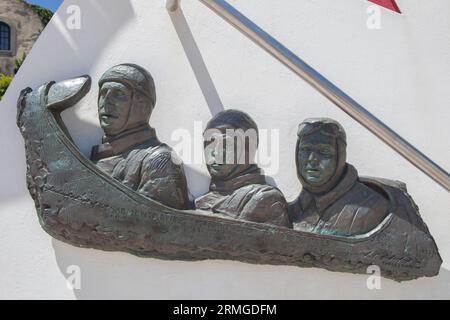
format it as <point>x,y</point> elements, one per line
<point>401,73</point>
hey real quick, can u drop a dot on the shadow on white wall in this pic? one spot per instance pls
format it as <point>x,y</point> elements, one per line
<point>196,61</point>
<point>106,275</point>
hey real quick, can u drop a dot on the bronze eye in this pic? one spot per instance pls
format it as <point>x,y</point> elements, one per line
<point>120,93</point>
<point>305,149</point>
<point>327,152</point>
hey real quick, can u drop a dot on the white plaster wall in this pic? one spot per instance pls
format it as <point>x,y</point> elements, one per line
<point>401,73</point>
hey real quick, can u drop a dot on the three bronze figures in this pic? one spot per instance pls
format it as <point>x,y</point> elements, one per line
<point>333,200</point>
<point>340,221</point>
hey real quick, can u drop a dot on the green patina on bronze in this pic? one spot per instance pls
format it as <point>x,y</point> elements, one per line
<point>82,204</point>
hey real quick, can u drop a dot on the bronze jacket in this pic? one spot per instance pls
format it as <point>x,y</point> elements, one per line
<point>146,167</point>
<point>246,197</point>
<point>350,208</point>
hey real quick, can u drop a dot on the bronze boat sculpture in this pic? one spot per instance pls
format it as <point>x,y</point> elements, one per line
<point>78,203</point>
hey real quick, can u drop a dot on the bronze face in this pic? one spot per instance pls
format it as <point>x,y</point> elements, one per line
<point>317,157</point>
<point>114,105</point>
<point>223,152</point>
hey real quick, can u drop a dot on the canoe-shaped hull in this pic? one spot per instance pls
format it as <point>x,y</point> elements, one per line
<point>81,205</point>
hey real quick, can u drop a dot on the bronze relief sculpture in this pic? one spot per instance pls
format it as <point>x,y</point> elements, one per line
<point>131,152</point>
<point>238,189</point>
<point>333,199</point>
<point>132,197</point>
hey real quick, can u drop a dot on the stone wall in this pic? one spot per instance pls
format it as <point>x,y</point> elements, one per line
<point>25,27</point>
